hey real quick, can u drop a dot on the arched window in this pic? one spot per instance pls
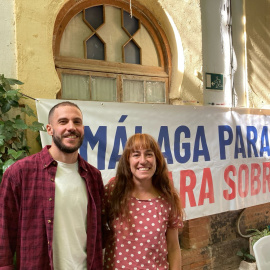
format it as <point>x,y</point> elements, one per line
<point>110,52</point>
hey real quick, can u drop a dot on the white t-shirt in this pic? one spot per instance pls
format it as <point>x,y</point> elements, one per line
<point>70,218</point>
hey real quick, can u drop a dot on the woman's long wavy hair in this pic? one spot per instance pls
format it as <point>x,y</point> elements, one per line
<point>124,185</point>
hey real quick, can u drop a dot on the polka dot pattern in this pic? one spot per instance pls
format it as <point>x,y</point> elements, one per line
<point>141,242</point>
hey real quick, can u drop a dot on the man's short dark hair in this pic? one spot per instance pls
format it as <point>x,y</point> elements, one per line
<point>64,103</point>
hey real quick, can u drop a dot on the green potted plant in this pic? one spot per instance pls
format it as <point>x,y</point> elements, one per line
<point>256,235</point>
<point>13,144</point>
<point>248,260</point>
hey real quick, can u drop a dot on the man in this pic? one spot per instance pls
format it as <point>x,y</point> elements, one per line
<point>50,203</point>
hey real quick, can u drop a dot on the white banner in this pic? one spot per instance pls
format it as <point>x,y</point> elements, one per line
<point>218,157</point>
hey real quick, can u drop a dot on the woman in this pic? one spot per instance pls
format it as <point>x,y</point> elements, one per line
<point>143,210</point>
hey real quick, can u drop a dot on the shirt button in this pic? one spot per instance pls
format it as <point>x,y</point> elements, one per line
<point>50,199</point>
<point>54,163</point>
<point>49,221</point>
<point>52,179</point>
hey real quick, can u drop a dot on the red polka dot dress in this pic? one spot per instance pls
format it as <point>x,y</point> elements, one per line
<point>140,243</point>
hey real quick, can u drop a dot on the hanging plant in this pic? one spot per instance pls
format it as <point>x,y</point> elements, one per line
<point>13,144</point>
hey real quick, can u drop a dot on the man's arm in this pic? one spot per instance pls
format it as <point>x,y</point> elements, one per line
<point>174,251</point>
<point>8,220</point>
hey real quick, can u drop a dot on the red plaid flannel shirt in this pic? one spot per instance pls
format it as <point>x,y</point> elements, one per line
<point>27,211</point>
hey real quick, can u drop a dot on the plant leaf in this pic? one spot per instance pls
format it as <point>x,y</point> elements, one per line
<point>250,257</point>
<point>239,253</point>
<point>2,139</point>
<point>15,154</point>
<point>37,126</point>
<point>28,111</point>
<point>14,81</point>
<point>20,124</point>
<point>5,107</point>
<point>7,164</point>
<point>14,103</point>
<point>2,150</point>
<point>12,93</point>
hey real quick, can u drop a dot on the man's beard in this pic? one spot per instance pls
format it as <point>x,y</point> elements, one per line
<point>64,148</point>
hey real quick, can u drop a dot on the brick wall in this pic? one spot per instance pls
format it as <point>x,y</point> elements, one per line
<point>212,242</point>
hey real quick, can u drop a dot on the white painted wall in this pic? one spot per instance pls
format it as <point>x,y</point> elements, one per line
<point>216,60</point>
<point>238,17</point>
<point>7,39</point>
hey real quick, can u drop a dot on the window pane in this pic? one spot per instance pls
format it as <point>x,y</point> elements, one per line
<point>95,48</point>
<point>103,89</point>
<point>75,87</point>
<point>131,24</point>
<point>132,53</point>
<point>133,91</point>
<point>155,91</point>
<point>94,16</point>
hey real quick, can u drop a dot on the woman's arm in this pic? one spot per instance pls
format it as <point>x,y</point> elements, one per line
<point>174,251</point>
